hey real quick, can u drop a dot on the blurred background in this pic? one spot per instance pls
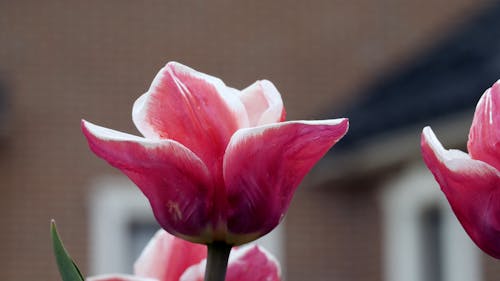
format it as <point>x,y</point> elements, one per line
<point>368,211</point>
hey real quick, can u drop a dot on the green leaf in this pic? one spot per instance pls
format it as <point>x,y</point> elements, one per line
<point>67,267</point>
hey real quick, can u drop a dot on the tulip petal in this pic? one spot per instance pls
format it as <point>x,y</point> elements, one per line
<point>250,263</point>
<point>175,181</point>
<point>195,272</point>
<point>264,165</point>
<point>118,277</point>
<point>253,263</point>
<point>166,257</point>
<point>484,135</point>
<point>472,188</point>
<point>192,108</point>
<point>263,103</point>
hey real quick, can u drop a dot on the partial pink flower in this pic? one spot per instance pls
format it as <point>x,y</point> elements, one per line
<point>245,264</point>
<point>471,182</point>
<point>484,135</point>
<point>216,163</point>
<point>168,258</point>
<point>118,277</point>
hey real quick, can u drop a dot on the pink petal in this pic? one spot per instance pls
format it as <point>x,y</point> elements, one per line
<point>472,189</point>
<point>192,108</point>
<point>118,277</point>
<point>166,257</point>
<point>250,263</point>
<point>484,135</point>
<point>253,263</point>
<point>195,272</point>
<point>264,165</point>
<point>175,181</point>
<point>263,103</point>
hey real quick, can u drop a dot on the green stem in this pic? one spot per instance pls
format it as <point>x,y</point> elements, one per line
<point>218,255</point>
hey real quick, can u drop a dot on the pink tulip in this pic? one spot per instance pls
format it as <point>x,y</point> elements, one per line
<point>118,277</point>
<point>167,258</point>
<point>471,182</point>
<point>216,163</point>
<point>245,264</point>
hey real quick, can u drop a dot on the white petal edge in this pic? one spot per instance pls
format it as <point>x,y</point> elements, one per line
<point>226,93</point>
<point>254,131</point>
<point>138,109</point>
<point>455,160</point>
<point>275,110</point>
<point>244,133</point>
<point>442,153</point>
<point>233,102</point>
<point>106,134</point>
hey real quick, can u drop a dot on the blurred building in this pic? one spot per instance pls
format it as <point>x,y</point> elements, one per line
<point>401,220</point>
<point>369,211</point>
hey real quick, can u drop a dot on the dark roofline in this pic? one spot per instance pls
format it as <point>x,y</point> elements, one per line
<point>447,79</point>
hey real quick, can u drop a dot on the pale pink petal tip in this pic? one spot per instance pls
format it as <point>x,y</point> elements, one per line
<point>105,134</point>
<point>179,96</point>
<point>251,263</point>
<point>174,254</point>
<point>119,277</point>
<point>156,252</point>
<point>248,263</point>
<point>430,143</point>
<point>195,272</point>
<point>252,253</point>
<point>263,103</point>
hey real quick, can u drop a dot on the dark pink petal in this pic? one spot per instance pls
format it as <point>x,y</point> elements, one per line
<point>263,103</point>
<point>264,165</point>
<point>250,263</point>
<point>484,135</point>
<point>175,181</point>
<point>118,277</point>
<point>192,108</point>
<point>472,188</point>
<point>166,257</point>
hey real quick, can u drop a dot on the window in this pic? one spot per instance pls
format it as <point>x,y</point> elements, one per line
<point>431,232</point>
<point>121,223</point>
<point>423,239</point>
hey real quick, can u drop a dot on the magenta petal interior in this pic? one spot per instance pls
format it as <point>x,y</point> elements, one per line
<point>176,182</point>
<point>264,165</point>
<point>484,135</point>
<point>472,189</point>
<point>192,108</point>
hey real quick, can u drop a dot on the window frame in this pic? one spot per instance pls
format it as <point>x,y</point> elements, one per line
<point>403,201</point>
